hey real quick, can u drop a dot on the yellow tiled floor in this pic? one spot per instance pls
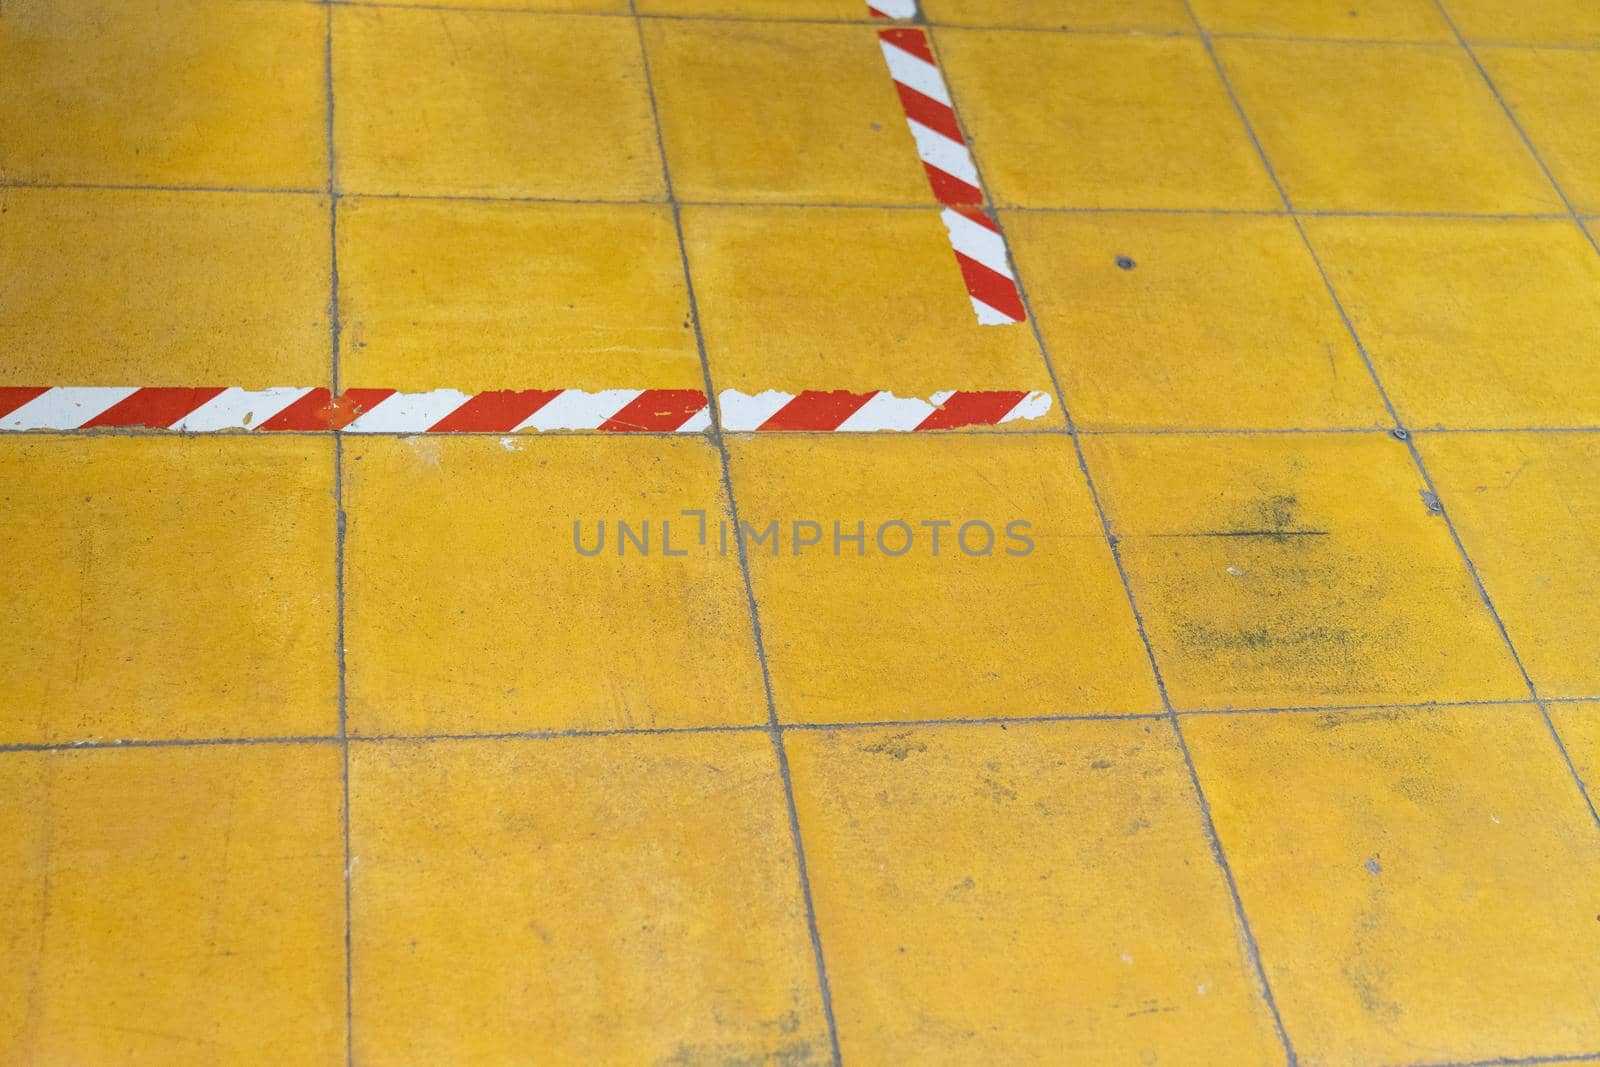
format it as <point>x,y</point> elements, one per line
<point>1246,712</point>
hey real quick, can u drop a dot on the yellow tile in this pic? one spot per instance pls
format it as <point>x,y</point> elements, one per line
<point>1151,16</point>
<point>172,905</point>
<point>1579,726</point>
<point>472,295</point>
<point>1399,20</point>
<point>1527,506</point>
<point>1552,92</point>
<point>1472,323</point>
<point>1384,128</point>
<point>617,900</point>
<point>469,609</point>
<point>492,103</point>
<point>847,298</point>
<point>1571,22</point>
<point>600,7</point>
<point>122,287</point>
<point>1302,570</point>
<point>967,878</point>
<point>1039,625</point>
<point>1101,121</point>
<point>166,587</point>
<point>1420,882</point>
<point>792,112</point>
<point>1188,321</point>
<point>760,9</point>
<point>169,92</point>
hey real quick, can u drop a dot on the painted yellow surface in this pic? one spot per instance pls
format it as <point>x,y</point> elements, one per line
<point>1032,894</point>
<point>1401,20</point>
<point>1497,331</point>
<point>781,112</point>
<point>1190,322</point>
<point>1113,121</point>
<point>468,295</point>
<point>1148,16</point>
<point>129,287</point>
<point>1384,128</point>
<point>166,92</point>
<point>470,610</point>
<point>491,103</point>
<point>172,905</point>
<point>1579,727</point>
<point>1292,571</point>
<point>1527,507</point>
<point>868,636</point>
<point>833,10</point>
<point>1556,22</point>
<point>172,588</point>
<point>1552,91</point>
<point>1421,883</point>
<point>865,320</point>
<point>587,900</point>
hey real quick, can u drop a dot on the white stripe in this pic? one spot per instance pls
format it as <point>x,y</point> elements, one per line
<point>700,420</point>
<point>937,150</point>
<point>65,408</point>
<point>1032,406</point>
<point>976,241</point>
<point>741,413</point>
<point>885,411</point>
<point>991,316</point>
<point>573,409</point>
<point>895,9</point>
<point>915,72</point>
<point>408,412</point>
<point>238,409</point>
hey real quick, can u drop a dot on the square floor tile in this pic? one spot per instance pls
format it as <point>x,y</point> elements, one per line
<point>1527,506</point>
<point>1384,128</point>
<point>492,103</point>
<point>127,287</point>
<point>1296,570</point>
<point>1421,883</point>
<point>1149,16</point>
<point>470,295</point>
<point>616,899</point>
<point>471,610</point>
<point>172,905</point>
<point>1552,92</point>
<point>1579,727</point>
<point>1030,894</point>
<point>1402,20</point>
<point>1569,22</point>
<point>1190,321</point>
<point>1033,622</point>
<point>786,112</point>
<point>846,298</point>
<point>168,92</point>
<point>1472,323</point>
<point>166,587</point>
<point>1101,121</point>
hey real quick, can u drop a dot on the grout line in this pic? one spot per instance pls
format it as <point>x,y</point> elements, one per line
<point>1207,823</point>
<point>169,742</point>
<point>774,730</point>
<point>1519,1061</point>
<point>334,338</point>
<point>1400,432</point>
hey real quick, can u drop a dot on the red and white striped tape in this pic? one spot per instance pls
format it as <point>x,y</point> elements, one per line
<point>979,246</point>
<point>893,9</point>
<point>217,410</point>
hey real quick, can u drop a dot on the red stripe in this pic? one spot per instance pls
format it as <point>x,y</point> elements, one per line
<point>497,411</point>
<point>875,13</point>
<point>817,410</point>
<point>13,397</point>
<point>950,190</point>
<point>929,112</point>
<point>156,407</point>
<point>317,410</point>
<point>657,410</point>
<point>908,40</point>
<point>978,215</point>
<point>972,409</point>
<point>993,288</point>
